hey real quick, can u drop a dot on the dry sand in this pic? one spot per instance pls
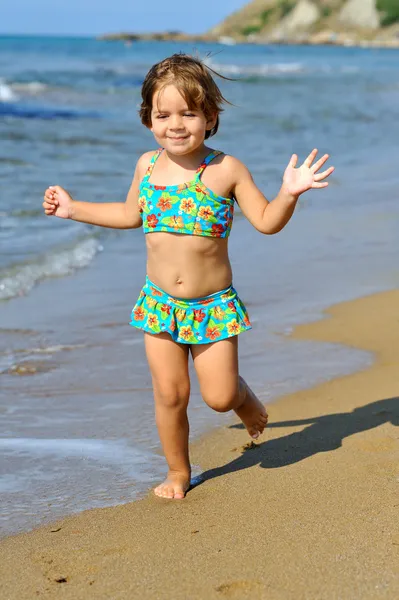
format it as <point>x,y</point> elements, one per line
<point>310,512</point>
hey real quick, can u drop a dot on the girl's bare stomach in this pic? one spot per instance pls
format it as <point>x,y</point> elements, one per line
<point>188,266</point>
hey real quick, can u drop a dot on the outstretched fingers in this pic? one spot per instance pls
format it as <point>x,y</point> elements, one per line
<point>320,163</point>
<point>308,161</point>
<point>324,174</point>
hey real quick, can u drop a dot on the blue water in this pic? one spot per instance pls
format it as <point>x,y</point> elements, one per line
<point>68,116</point>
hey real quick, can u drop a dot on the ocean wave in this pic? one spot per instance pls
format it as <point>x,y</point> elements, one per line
<point>30,87</point>
<point>11,109</point>
<point>6,92</point>
<point>263,70</point>
<point>20,279</point>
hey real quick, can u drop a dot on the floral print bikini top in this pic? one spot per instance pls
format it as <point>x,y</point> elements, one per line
<point>189,208</point>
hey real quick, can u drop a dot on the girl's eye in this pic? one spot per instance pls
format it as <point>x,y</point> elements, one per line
<point>161,117</point>
<point>189,115</point>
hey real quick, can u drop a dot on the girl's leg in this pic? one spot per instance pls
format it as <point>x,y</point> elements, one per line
<point>168,362</point>
<point>221,386</point>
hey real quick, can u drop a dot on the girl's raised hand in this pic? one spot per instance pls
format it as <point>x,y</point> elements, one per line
<point>57,202</point>
<point>306,177</point>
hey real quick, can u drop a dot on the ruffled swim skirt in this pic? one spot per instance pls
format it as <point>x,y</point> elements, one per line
<point>190,321</point>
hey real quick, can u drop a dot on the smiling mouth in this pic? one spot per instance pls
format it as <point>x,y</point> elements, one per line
<point>179,138</point>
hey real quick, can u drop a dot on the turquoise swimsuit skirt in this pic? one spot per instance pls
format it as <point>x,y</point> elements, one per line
<point>190,321</point>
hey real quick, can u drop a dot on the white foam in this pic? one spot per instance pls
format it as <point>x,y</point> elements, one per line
<point>111,452</point>
<point>31,87</point>
<point>20,280</point>
<point>6,92</point>
<point>262,70</point>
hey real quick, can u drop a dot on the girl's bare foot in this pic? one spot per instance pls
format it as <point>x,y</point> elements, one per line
<point>251,412</point>
<point>175,486</point>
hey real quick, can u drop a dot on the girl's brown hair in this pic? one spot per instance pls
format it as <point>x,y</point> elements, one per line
<point>194,81</point>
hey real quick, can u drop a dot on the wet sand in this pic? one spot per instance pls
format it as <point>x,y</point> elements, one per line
<point>309,512</point>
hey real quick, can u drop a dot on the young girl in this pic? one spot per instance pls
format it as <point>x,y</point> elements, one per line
<point>188,304</point>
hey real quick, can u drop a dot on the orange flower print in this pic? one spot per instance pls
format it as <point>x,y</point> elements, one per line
<point>166,308</point>
<point>172,326</point>
<point>232,306</point>
<point>159,187</point>
<point>180,314</point>
<point>233,327</point>
<point>218,313</point>
<point>205,301</point>
<point>155,292</point>
<point>152,320</point>
<point>185,333</point>
<point>205,212</point>
<point>176,222</point>
<point>217,230</point>
<point>152,221</point>
<point>164,203</point>
<point>212,333</point>
<point>197,229</point>
<point>187,205</point>
<point>247,321</point>
<point>151,302</point>
<point>199,315</point>
<point>139,313</point>
<point>142,202</point>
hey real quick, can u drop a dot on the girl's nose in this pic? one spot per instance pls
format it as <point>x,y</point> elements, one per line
<point>176,122</point>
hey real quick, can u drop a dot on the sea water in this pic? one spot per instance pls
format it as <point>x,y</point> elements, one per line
<point>77,427</point>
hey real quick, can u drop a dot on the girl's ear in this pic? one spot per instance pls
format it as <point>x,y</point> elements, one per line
<point>210,124</point>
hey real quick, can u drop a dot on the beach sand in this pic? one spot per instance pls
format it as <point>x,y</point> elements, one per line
<point>309,512</point>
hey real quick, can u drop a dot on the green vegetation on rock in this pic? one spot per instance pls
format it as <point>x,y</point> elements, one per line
<point>264,16</point>
<point>286,6</point>
<point>389,10</point>
<point>326,11</point>
<point>250,29</point>
<point>317,21</point>
<point>257,27</point>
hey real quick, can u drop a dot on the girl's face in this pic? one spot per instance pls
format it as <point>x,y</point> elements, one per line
<point>175,127</point>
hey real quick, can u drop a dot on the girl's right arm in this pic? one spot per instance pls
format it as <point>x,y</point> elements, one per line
<point>118,215</point>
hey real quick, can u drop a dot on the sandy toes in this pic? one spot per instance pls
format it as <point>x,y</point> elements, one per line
<point>175,486</point>
<point>252,412</point>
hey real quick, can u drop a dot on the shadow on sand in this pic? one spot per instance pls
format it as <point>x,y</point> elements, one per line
<point>324,434</point>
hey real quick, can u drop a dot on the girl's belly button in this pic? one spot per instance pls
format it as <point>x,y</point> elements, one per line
<point>179,281</point>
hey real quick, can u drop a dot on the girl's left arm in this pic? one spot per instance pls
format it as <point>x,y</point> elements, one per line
<point>271,217</point>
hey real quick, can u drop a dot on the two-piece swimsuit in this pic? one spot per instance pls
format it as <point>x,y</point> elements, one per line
<point>190,208</point>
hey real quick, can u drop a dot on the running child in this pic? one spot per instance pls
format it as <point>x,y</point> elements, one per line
<point>183,196</point>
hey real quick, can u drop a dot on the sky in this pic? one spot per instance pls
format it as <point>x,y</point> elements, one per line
<point>91,17</point>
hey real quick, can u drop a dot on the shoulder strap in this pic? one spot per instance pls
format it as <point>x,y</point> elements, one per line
<point>206,162</point>
<point>150,168</point>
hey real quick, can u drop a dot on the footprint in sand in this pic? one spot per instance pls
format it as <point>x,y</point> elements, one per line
<point>236,589</point>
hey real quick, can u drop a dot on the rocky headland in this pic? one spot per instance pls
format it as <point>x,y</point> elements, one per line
<point>341,22</point>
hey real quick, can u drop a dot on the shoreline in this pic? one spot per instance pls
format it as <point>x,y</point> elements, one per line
<point>308,512</point>
<point>323,39</point>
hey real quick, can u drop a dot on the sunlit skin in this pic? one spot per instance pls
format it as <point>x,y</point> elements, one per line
<point>189,266</point>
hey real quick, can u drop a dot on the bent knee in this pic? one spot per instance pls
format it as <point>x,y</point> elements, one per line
<point>223,401</point>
